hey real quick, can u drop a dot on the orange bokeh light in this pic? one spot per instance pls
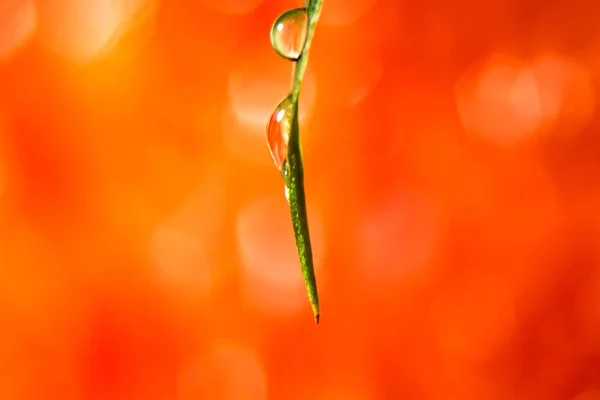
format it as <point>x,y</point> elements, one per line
<point>452,167</point>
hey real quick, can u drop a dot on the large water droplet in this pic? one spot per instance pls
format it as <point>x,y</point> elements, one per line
<point>278,131</point>
<point>288,34</point>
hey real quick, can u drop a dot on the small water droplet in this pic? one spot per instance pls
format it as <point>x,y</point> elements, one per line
<point>278,131</point>
<point>288,34</point>
<point>287,193</point>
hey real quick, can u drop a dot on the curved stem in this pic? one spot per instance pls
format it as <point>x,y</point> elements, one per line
<point>293,170</point>
<point>313,10</point>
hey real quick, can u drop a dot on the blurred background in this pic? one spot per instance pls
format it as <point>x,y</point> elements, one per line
<point>452,166</point>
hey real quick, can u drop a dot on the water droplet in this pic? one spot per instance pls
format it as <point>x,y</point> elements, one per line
<point>288,34</point>
<point>287,193</point>
<point>278,131</point>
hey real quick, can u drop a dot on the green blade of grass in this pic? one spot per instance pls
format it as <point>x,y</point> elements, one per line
<point>293,170</point>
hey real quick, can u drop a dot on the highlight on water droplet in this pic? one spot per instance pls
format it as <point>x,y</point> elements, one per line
<point>278,131</point>
<point>288,34</point>
<point>287,193</point>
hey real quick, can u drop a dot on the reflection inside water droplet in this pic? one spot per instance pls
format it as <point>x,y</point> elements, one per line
<point>278,131</point>
<point>288,34</point>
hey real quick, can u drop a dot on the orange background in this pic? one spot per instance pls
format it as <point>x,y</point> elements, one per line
<point>452,164</point>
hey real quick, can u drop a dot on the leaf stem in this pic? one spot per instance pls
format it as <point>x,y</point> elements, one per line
<point>293,170</point>
<point>313,10</point>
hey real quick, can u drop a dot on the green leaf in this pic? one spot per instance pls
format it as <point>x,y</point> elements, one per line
<point>293,170</point>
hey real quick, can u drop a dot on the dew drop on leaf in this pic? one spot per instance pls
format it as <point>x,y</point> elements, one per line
<point>278,131</point>
<point>288,34</point>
